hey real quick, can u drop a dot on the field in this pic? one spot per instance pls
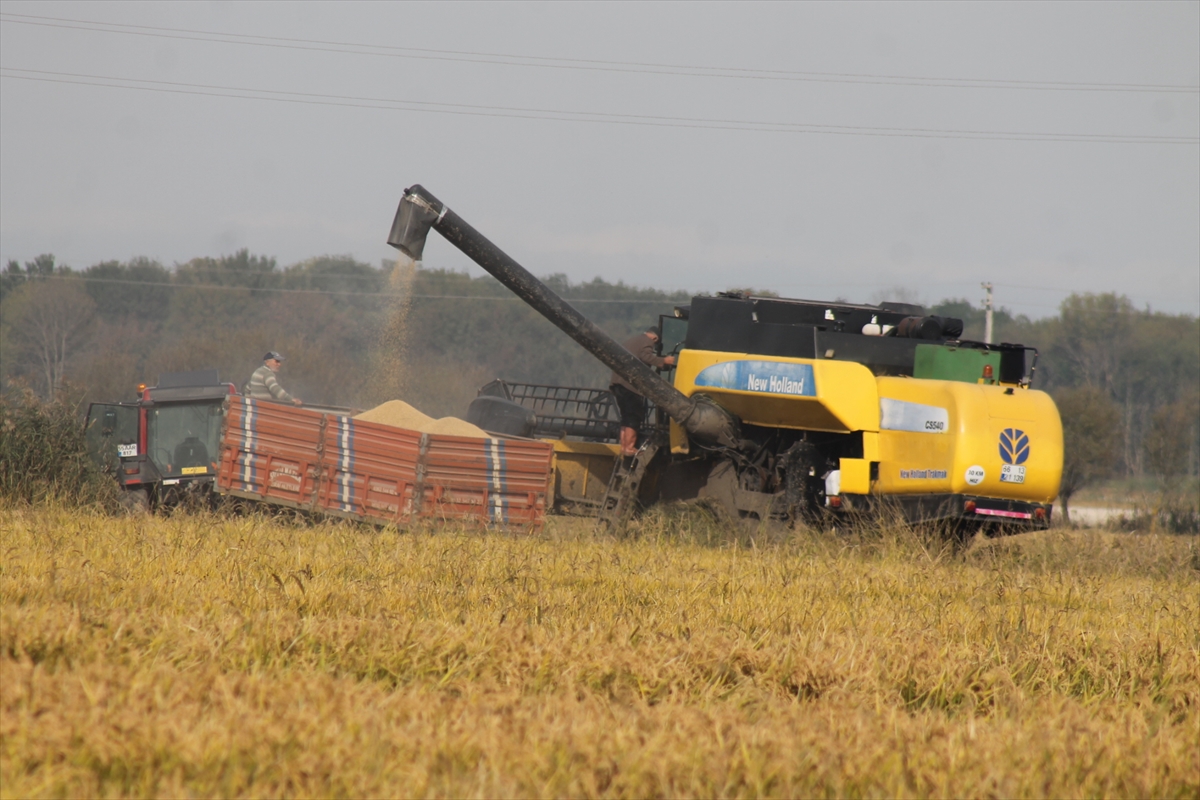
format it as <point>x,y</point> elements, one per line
<point>206,656</point>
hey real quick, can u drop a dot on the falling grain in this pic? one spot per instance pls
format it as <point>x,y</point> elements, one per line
<point>390,370</point>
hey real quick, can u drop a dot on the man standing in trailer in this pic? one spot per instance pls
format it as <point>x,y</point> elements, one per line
<point>264,386</point>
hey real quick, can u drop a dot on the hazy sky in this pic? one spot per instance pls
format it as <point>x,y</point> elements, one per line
<point>861,179</point>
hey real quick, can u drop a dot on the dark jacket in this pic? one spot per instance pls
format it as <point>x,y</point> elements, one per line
<point>641,346</point>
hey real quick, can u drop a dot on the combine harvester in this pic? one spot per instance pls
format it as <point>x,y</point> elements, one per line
<point>787,410</point>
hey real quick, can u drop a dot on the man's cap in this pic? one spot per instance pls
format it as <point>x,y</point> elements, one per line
<point>272,354</point>
<point>654,329</point>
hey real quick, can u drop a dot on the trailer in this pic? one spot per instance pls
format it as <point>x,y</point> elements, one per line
<point>335,465</point>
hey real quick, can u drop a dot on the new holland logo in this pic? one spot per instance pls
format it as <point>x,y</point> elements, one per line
<point>1014,446</point>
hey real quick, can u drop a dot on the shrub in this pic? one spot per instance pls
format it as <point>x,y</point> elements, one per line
<point>43,454</point>
<point>1172,515</point>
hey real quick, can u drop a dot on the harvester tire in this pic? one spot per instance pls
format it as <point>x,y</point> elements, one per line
<point>802,476</point>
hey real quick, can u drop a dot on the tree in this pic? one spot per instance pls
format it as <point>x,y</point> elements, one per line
<point>1095,335</point>
<point>1004,324</point>
<point>1091,439</point>
<point>13,276</point>
<point>136,290</point>
<point>239,269</point>
<point>1141,358</point>
<point>1170,443</point>
<point>46,322</point>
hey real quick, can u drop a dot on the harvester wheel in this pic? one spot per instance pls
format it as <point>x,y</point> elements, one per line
<point>801,486</point>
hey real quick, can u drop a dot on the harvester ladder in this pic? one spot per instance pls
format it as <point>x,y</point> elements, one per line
<point>621,497</point>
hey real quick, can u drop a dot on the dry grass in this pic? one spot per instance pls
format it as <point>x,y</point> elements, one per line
<point>202,656</point>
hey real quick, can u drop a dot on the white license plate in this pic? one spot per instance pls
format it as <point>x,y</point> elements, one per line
<point>127,450</point>
<point>1011,473</point>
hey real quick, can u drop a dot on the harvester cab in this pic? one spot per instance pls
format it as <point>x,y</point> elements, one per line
<point>163,446</point>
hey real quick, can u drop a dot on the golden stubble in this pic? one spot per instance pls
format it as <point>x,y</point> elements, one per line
<point>206,656</point>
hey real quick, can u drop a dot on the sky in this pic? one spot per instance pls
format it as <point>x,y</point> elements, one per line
<point>857,151</point>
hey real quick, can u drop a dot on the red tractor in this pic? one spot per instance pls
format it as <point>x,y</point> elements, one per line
<point>163,447</point>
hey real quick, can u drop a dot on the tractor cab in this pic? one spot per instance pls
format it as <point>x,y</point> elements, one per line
<point>164,445</point>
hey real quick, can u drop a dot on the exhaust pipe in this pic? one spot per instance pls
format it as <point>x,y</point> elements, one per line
<point>419,211</point>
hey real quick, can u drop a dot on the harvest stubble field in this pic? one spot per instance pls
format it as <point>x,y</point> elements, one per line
<point>206,656</point>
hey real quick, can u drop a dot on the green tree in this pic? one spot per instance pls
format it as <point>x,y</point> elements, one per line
<point>340,274</point>
<point>1005,326</point>
<point>1094,339</point>
<point>1091,439</point>
<point>239,269</point>
<point>41,267</point>
<point>1142,359</point>
<point>138,290</point>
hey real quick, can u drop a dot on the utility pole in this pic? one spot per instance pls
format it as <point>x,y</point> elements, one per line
<point>987,307</point>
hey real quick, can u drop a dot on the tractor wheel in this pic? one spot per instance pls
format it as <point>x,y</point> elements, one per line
<point>135,501</point>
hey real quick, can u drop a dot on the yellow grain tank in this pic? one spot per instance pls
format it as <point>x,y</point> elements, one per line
<point>919,436</point>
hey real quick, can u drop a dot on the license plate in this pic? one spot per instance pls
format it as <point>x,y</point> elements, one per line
<point>126,450</point>
<point>1011,473</point>
<point>194,470</point>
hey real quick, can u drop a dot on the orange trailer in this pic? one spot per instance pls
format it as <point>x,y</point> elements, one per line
<point>367,471</point>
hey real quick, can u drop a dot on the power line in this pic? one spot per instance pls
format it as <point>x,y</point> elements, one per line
<point>383,295</point>
<point>558,115</point>
<point>949,283</point>
<point>469,297</point>
<point>582,64</point>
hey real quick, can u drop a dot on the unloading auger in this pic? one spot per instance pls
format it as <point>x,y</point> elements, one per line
<point>420,210</point>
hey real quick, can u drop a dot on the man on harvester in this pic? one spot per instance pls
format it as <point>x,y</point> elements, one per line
<point>631,404</point>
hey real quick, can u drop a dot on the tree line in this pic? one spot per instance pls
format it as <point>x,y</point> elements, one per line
<point>1127,380</point>
<point>353,334</point>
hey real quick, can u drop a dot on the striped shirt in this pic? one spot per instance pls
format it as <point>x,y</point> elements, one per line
<point>263,386</point>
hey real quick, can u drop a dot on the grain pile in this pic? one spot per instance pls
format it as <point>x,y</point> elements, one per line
<point>453,426</point>
<point>400,414</point>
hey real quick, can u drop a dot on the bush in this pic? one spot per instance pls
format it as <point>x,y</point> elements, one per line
<point>1175,515</point>
<point>43,454</point>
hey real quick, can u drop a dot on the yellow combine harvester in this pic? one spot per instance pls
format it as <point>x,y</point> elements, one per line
<point>956,439</point>
<point>785,409</point>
